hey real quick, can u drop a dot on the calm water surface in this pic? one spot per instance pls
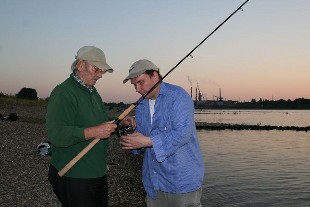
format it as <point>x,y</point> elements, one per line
<point>299,118</point>
<point>257,168</point>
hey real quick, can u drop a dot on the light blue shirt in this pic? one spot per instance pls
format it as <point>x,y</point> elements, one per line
<point>174,164</point>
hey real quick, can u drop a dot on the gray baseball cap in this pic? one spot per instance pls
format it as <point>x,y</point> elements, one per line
<point>95,56</point>
<point>140,67</point>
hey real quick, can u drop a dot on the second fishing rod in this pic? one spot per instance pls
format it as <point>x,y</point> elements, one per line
<point>132,106</point>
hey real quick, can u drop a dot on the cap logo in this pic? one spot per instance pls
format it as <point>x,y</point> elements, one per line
<point>131,69</point>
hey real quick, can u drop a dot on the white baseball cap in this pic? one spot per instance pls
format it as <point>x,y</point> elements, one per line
<point>140,67</point>
<point>95,56</point>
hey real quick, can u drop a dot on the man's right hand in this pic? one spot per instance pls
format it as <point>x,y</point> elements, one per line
<point>101,131</point>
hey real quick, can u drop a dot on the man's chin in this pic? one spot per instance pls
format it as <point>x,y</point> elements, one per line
<point>147,97</point>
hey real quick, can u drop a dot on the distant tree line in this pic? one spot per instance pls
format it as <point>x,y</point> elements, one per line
<point>299,103</point>
<point>31,94</point>
<point>24,93</point>
<point>27,93</point>
<point>119,105</point>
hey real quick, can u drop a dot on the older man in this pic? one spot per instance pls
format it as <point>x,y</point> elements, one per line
<point>75,115</point>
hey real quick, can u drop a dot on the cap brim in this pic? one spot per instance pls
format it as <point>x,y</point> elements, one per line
<point>133,75</point>
<point>103,66</point>
<point>110,70</point>
<point>126,79</point>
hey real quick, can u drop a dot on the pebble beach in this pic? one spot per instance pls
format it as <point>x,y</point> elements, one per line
<point>23,177</point>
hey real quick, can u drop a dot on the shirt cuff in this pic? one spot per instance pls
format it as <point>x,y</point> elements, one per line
<point>158,148</point>
<point>79,132</point>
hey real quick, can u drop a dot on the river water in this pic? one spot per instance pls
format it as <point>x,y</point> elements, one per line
<point>256,168</point>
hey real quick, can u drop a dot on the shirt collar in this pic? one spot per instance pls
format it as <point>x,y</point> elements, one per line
<point>77,78</point>
<point>162,90</point>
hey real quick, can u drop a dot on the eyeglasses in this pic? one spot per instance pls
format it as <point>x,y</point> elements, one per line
<point>96,69</point>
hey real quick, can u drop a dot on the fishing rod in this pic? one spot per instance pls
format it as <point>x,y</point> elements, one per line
<point>132,106</point>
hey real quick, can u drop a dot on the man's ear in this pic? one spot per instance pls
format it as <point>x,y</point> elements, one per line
<point>155,74</point>
<point>80,65</point>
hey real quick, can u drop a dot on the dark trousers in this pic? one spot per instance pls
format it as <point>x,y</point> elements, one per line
<point>75,192</point>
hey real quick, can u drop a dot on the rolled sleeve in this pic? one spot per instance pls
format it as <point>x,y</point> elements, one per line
<point>158,148</point>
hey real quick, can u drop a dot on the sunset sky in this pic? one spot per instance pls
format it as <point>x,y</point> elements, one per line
<point>261,52</point>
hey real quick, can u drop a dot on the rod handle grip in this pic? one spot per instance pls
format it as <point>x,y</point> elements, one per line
<point>78,157</point>
<point>126,112</point>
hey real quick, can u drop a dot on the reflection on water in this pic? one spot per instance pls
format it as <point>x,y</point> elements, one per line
<point>256,168</point>
<point>299,118</point>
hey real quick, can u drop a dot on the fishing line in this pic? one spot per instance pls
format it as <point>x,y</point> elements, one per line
<point>190,53</point>
<point>132,106</point>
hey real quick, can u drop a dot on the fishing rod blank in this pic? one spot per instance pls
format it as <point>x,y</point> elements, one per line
<point>132,106</point>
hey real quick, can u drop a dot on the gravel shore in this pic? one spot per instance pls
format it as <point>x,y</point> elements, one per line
<point>23,177</point>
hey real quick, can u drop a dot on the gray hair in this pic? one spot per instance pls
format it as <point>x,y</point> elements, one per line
<point>73,65</point>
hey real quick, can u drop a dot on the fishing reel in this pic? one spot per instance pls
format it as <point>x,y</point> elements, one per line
<point>124,130</point>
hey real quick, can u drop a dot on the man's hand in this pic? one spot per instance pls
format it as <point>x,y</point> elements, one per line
<point>135,141</point>
<point>101,131</point>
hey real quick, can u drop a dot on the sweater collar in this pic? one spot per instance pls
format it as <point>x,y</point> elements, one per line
<point>81,82</point>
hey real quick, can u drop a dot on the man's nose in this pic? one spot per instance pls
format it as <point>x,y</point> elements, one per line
<point>138,88</point>
<point>99,74</point>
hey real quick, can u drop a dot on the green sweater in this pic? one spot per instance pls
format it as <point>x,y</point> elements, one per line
<point>71,109</point>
